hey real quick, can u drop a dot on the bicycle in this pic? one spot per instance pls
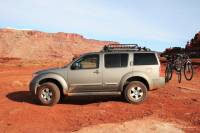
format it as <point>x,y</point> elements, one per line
<point>186,66</point>
<point>172,64</point>
<point>179,62</point>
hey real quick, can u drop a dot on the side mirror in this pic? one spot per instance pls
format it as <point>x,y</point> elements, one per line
<point>73,58</point>
<point>75,66</point>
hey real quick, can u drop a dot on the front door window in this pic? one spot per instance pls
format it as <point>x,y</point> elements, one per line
<point>87,62</point>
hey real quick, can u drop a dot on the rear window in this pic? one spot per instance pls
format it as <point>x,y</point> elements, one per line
<point>116,60</point>
<point>145,59</point>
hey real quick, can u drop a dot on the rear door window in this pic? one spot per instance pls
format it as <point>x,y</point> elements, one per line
<point>145,59</point>
<point>116,60</point>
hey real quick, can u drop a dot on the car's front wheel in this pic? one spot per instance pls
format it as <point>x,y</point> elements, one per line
<point>135,92</point>
<point>48,94</point>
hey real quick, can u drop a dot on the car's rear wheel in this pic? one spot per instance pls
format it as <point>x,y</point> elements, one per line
<point>135,92</point>
<point>48,94</point>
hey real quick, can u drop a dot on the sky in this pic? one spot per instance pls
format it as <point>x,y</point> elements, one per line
<point>156,24</point>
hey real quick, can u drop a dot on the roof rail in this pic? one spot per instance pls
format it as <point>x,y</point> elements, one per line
<point>124,47</point>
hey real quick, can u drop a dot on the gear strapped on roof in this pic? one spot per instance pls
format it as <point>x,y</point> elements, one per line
<point>124,47</point>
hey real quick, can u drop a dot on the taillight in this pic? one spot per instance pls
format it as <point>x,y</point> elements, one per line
<point>161,72</point>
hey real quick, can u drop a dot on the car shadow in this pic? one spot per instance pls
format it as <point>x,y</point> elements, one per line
<point>84,100</point>
<point>22,96</point>
<point>27,97</point>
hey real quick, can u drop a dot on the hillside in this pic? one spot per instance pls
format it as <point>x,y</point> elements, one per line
<point>192,48</point>
<point>36,45</point>
<point>194,43</point>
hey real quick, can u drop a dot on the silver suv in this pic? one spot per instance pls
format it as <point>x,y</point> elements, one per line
<point>118,69</point>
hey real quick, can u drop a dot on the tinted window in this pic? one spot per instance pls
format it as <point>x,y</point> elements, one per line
<point>145,59</point>
<point>116,60</point>
<point>87,62</point>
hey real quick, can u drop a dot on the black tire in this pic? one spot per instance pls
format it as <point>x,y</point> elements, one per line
<point>168,73</point>
<point>48,94</point>
<point>179,77</point>
<point>140,92</point>
<point>188,71</point>
<point>178,64</point>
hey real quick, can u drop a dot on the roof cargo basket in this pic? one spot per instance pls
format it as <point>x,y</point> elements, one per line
<point>124,47</point>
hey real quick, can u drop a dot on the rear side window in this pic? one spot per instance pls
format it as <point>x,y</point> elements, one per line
<point>116,60</point>
<point>145,59</point>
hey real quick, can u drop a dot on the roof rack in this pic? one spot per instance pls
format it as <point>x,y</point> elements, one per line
<point>124,47</point>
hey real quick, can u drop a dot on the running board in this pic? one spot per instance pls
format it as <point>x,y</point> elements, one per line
<point>93,93</point>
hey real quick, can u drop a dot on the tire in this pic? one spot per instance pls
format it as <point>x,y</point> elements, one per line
<point>188,71</point>
<point>179,77</point>
<point>139,95</point>
<point>178,64</point>
<point>48,94</point>
<point>168,73</point>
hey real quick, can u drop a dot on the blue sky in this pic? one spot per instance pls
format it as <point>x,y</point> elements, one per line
<point>156,24</point>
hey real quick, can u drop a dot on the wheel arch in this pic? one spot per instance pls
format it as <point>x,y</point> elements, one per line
<point>135,77</point>
<point>53,78</point>
<point>56,82</point>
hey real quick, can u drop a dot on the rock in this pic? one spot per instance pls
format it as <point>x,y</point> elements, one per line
<point>36,45</point>
<point>134,126</point>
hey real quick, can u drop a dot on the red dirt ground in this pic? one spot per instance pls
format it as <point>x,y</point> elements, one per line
<point>19,112</point>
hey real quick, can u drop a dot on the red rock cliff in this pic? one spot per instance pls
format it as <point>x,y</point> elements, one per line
<point>36,45</point>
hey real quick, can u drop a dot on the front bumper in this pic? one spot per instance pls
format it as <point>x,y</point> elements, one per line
<point>33,85</point>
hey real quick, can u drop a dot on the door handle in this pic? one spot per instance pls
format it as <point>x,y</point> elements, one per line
<point>96,71</point>
<point>131,63</point>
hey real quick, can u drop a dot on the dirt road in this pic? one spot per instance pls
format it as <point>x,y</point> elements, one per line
<point>19,112</point>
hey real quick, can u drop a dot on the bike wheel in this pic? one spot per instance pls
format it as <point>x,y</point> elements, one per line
<point>178,64</point>
<point>168,73</point>
<point>179,77</point>
<point>188,71</point>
